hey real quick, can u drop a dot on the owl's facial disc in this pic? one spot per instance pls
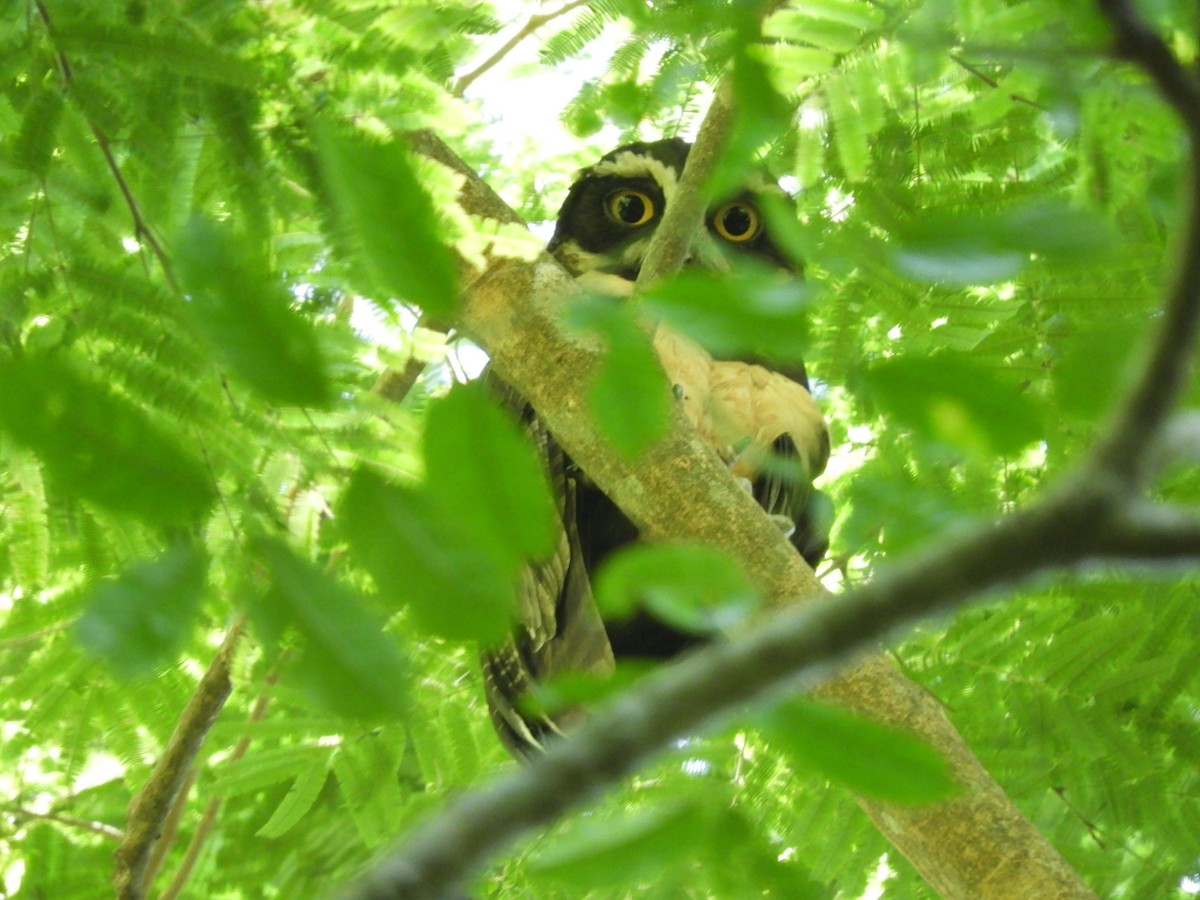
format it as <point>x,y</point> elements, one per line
<point>614,206</point>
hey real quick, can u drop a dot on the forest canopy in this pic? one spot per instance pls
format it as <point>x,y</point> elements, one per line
<point>258,517</point>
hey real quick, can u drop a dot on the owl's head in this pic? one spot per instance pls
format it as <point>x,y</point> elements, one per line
<point>614,207</point>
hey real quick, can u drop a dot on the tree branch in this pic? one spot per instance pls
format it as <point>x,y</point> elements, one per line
<point>684,215</point>
<point>1126,449</point>
<point>533,24</point>
<point>209,818</point>
<point>149,809</point>
<point>101,828</point>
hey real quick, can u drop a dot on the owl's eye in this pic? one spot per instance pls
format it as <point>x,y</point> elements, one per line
<point>737,221</point>
<point>629,207</point>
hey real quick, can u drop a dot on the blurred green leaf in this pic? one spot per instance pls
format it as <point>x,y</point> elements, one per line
<point>751,312</point>
<point>98,445</point>
<point>428,555</point>
<point>479,462</point>
<point>245,314</point>
<point>646,842</point>
<point>138,621</point>
<point>33,146</point>
<point>389,218</point>
<point>892,508</point>
<point>762,115</point>
<point>694,588</point>
<point>346,662</point>
<point>628,396</point>
<point>968,248</point>
<point>868,758</point>
<point>577,688</point>
<point>957,401</point>
<point>1095,364</point>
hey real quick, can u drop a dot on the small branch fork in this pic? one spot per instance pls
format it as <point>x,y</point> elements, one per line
<point>1097,514</point>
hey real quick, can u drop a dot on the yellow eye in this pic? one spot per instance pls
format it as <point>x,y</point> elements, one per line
<point>629,207</point>
<point>737,221</point>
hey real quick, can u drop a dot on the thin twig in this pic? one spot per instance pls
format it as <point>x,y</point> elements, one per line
<point>140,227</point>
<point>535,22</point>
<point>993,83</point>
<point>102,828</point>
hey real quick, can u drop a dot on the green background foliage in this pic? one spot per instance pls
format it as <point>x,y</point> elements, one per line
<point>212,244</point>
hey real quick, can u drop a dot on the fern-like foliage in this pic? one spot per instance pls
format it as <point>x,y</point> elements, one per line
<point>977,184</point>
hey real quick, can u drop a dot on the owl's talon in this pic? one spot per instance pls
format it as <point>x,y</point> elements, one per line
<point>785,524</point>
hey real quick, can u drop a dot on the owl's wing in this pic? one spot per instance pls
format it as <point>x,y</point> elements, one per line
<point>558,627</point>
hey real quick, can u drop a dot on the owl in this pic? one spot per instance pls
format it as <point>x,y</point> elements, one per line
<point>762,421</point>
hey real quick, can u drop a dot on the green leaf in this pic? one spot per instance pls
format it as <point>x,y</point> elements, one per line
<point>138,621</point>
<point>245,314</point>
<point>366,776</point>
<point>478,461</point>
<point>264,768</point>
<point>1095,363</point>
<point>968,249</point>
<point>749,313</point>
<point>628,395</point>
<point>956,401</point>
<point>694,588</point>
<point>583,688</point>
<point>99,446</point>
<point>868,758</point>
<point>762,115</point>
<point>33,147</point>
<point>297,802</point>
<point>645,842</point>
<point>184,55</point>
<point>347,663</point>
<point>389,218</point>
<point>427,555</point>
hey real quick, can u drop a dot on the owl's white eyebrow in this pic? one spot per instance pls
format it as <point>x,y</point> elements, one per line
<point>629,164</point>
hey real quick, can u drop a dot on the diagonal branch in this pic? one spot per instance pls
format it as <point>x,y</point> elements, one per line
<point>141,228</point>
<point>533,24</point>
<point>150,807</point>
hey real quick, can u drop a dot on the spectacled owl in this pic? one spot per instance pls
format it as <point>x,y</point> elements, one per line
<point>762,421</point>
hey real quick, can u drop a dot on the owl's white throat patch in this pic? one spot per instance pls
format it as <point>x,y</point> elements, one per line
<point>628,164</point>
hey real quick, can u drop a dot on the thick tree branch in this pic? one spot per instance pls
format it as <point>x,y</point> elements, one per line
<point>208,820</point>
<point>798,648</point>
